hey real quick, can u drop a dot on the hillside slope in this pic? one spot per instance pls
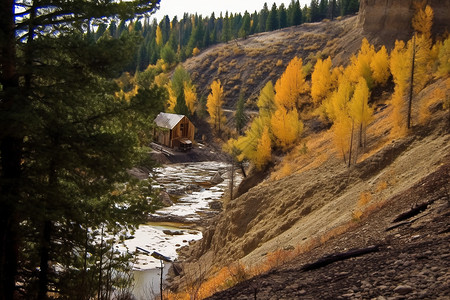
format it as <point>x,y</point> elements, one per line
<point>246,65</point>
<point>315,199</point>
<point>410,261</point>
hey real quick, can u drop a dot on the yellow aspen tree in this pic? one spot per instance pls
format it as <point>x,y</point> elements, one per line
<point>291,85</point>
<point>263,150</point>
<point>359,109</point>
<point>339,100</point>
<point>248,143</point>
<point>336,75</point>
<point>266,103</point>
<point>286,127</point>
<point>380,67</point>
<point>172,101</point>
<point>321,82</point>
<point>338,112</point>
<point>159,37</point>
<point>400,65</point>
<point>214,104</point>
<point>341,133</point>
<point>361,63</point>
<point>443,59</point>
<point>190,95</point>
<point>422,44</point>
<point>423,20</point>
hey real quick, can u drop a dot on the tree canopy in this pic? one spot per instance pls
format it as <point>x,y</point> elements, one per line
<point>66,143</point>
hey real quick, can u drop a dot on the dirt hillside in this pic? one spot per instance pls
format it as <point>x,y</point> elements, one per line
<point>246,65</point>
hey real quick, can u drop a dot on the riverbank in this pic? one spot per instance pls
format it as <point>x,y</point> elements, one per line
<point>194,198</point>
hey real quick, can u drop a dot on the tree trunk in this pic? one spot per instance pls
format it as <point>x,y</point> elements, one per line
<point>45,257</point>
<point>11,155</point>
<point>351,145</point>
<point>411,85</point>
<point>231,179</point>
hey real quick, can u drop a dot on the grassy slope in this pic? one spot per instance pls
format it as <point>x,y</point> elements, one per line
<point>248,64</point>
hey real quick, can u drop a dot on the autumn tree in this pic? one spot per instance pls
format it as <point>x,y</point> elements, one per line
<point>240,114</point>
<point>291,85</point>
<point>359,109</point>
<point>321,81</point>
<point>159,37</point>
<point>286,127</point>
<point>421,46</point>
<point>361,63</point>
<point>190,96</point>
<point>443,58</point>
<point>400,65</point>
<point>172,100</point>
<point>266,102</point>
<point>380,67</point>
<point>263,149</point>
<point>214,106</point>
<point>337,110</point>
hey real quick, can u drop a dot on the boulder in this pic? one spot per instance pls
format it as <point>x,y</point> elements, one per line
<point>216,205</point>
<point>164,198</point>
<point>216,179</point>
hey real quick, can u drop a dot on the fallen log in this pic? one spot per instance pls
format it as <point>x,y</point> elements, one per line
<point>412,212</point>
<point>326,260</point>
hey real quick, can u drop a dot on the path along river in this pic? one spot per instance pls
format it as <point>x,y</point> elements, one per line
<point>188,179</point>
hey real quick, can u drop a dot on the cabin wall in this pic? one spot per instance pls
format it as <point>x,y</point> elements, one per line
<point>171,138</point>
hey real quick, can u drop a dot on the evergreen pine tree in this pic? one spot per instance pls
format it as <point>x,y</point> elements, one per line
<point>282,16</point>
<point>240,114</point>
<point>66,149</point>
<point>272,19</point>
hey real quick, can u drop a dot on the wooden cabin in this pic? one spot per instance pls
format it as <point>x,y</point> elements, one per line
<point>174,131</point>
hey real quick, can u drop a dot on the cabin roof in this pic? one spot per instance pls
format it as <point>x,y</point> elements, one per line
<point>167,120</point>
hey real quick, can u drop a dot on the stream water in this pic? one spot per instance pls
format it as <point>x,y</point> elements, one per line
<point>188,181</point>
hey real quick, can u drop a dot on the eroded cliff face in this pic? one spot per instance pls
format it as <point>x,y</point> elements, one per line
<point>388,20</point>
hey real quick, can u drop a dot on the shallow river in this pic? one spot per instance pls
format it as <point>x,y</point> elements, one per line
<point>190,206</point>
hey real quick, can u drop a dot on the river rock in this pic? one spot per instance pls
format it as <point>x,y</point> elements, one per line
<point>216,205</point>
<point>173,232</point>
<point>164,198</point>
<point>216,179</point>
<point>193,188</point>
<point>403,289</point>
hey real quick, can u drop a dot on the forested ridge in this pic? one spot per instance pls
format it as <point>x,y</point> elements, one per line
<point>175,40</point>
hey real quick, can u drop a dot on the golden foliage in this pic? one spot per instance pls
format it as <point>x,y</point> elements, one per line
<point>263,150</point>
<point>321,81</point>
<point>400,64</point>
<point>248,143</point>
<point>195,51</point>
<point>214,104</point>
<point>380,66</point>
<point>172,101</point>
<point>338,102</point>
<point>361,63</point>
<point>266,102</point>
<point>291,85</point>
<point>423,20</point>
<point>359,109</point>
<point>159,37</point>
<point>190,96</point>
<point>444,59</point>
<point>286,127</point>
